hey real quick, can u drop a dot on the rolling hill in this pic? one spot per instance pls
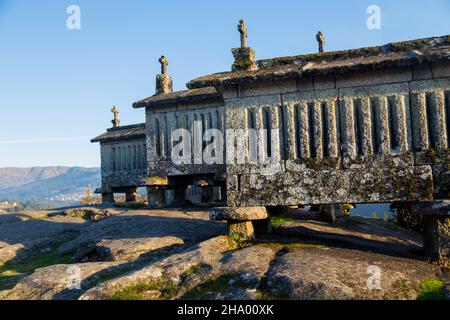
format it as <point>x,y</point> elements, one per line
<point>47,183</point>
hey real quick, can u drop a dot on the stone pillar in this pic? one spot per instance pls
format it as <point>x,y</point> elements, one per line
<point>431,237</point>
<point>436,229</point>
<point>207,195</point>
<point>108,198</point>
<point>179,195</point>
<point>262,226</point>
<point>130,196</point>
<point>156,196</point>
<point>239,220</point>
<point>241,229</point>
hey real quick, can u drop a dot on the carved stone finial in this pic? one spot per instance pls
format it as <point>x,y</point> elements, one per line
<point>321,40</point>
<point>164,63</point>
<point>242,28</point>
<point>164,83</point>
<point>244,57</point>
<point>115,121</point>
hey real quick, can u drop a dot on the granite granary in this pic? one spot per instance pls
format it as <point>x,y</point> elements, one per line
<point>366,125</point>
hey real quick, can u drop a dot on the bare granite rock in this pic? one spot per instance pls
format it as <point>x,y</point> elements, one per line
<point>57,282</point>
<point>133,233</point>
<point>128,249</point>
<point>316,274</point>
<point>167,271</point>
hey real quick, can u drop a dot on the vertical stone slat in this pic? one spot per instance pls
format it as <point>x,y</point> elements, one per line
<point>348,127</point>
<point>438,98</point>
<point>366,135</point>
<point>318,138</point>
<point>383,129</point>
<point>401,123</point>
<point>290,130</point>
<point>333,148</point>
<point>304,130</point>
<point>276,136</point>
<point>419,117</point>
<point>259,129</point>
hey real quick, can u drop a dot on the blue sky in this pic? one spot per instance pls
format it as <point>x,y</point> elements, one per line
<point>57,86</point>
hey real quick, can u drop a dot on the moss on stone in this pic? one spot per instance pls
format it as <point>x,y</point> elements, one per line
<point>154,289</point>
<point>11,272</point>
<point>431,289</point>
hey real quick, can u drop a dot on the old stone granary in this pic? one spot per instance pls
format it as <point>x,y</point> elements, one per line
<point>364,125</point>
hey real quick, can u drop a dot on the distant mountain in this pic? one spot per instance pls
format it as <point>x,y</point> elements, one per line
<point>47,183</point>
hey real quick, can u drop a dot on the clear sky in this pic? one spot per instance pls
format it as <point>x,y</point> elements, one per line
<point>57,86</point>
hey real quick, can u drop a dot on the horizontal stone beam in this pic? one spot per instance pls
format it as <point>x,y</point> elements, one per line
<point>156,181</point>
<point>238,213</point>
<point>434,208</point>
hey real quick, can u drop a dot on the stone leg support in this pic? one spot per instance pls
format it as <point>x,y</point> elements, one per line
<point>241,220</point>
<point>207,195</point>
<point>431,237</point>
<point>130,196</point>
<point>436,229</point>
<point>241,229</point>
<point>262,226</point>
<point>108,198</point>
<point>156,196</point>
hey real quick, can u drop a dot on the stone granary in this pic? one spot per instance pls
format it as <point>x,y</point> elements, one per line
<point>366,125</point>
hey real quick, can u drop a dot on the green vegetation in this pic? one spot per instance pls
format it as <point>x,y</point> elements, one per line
<point>190,271</point>
<point>11,272</point>
<point>431,289</point>
<point>213,284</point>
<point>111,274</point>
<point>150,290</point>
<point>280,220</point>
<point>264,292</point>
<point>237,241</point>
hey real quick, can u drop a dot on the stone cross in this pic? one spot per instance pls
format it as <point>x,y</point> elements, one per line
<point>243,31</point>
<point>115,121</point>
<point>321,40</point>
<point>164,64</point>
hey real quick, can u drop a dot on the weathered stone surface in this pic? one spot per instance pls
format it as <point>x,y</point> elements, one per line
<point>138,230</point>
<point>27,237</point>
<point>375,235</point>
<point>241,229</point>
<point>57,282</point>
<point>316,274</point>
<point>244,59</point>
<point>358,185</point>
<point>172,268</point>
<point>244,269</point>
<point>238,213</point>
<point>128,249</point>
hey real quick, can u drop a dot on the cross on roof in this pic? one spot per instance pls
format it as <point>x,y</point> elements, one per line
<point>115,121</point>
<point>242,28</point>
<point>164,62</point>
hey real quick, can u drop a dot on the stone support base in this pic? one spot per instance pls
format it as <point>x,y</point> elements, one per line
<point>156,197</point>
<point>436,230</point>
<point>108,198</point>
<point>130,196</point>
<point>241,229</point>
<point>243,221</point>
<point>262,226</point>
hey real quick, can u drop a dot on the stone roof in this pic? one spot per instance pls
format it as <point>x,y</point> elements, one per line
<point>405,53</point>
<point>134,131</point>
<point>203,94</point>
